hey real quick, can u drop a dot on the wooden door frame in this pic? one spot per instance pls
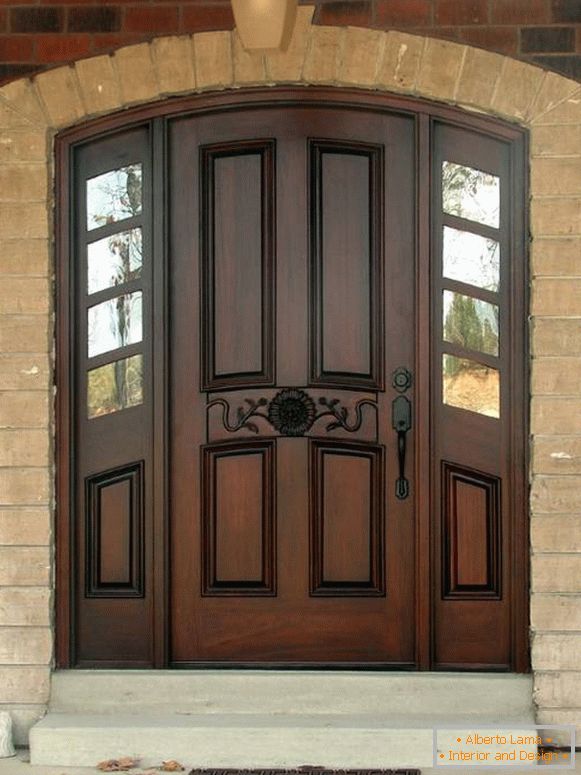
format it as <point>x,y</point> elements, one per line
<point>424,112</point>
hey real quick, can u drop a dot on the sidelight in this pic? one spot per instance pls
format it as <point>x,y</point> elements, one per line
<point>470,322</point>
<point>114,260</point>
<point>470,193</point>
<point>471,385</point>
<point>115,386</point>
<point>115,323</point>
<point>471,258</point>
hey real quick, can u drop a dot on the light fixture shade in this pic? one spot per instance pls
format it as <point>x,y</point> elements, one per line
<point>265,25</point>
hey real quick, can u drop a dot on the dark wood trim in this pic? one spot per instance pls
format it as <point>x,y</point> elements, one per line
<point>423,401</point>
<point>64,556</point>
<point>251,98</point>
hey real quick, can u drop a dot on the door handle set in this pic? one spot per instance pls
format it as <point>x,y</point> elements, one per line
<point>401,419</point>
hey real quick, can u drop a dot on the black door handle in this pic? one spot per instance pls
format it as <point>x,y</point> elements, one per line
<point>402,423</point>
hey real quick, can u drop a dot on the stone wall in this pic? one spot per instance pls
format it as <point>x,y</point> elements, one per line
<point>31,111</point>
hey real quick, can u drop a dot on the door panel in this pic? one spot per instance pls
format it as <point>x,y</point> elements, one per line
<point>307,554</point>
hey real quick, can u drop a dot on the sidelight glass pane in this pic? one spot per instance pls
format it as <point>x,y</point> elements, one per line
<point>470,258</point>
<point>470,322</point>
<point>115,323</point>
<point>114,260</point>
<point>470,193</point>
<point>471,385</point>
<point>114,196</point>
<point>116,386</point>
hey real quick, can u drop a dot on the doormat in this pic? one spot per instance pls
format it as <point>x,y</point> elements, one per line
<point>305,771</point>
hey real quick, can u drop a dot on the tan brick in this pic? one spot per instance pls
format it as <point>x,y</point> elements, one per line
<point>440,68</point>
<point>288,65</point>
<point>27,221</point>
<point>558,690</point>
<point>24,566</point>
<point>554,90</point>
<point>361,56</point>
<point>555,612</point>
<point>24,333</point>
<point>59,92</point>
<point>556,177</point>
<point>557,256</point>
<point>548,141</point>
<point>556,573</point>
<point>555,415</point>
<point>28,607</point>
<point>26,296</point>
<point>554,336</point>
<point>24,448</point>
<point>25,645</point>
<point>517,87</point>
<point>24,372</point>
<point>25,409</point>
<point>20,183</point>
<point>23,486</point>
<point>566,112</point>
<point>556,376</point>
<point>570,717</point>
<point>24,684</point>
<point>173,59</point>
<point>479,77</point>
<point>556,652</point>
<point>99,85</point>
<point>24,257</point>
<point>23,146</point>
<point>557,455</point>
<point>11,120</point>
<point>556,533</point>
<point>556,495</point>
<point>400,66</point>
<point>21,97</point>
<point>213,59</point>
<point>136,74</point>
<point>557,297</point>
<point>26,527</point>
<point>249,67</point>
<point>323,54</point>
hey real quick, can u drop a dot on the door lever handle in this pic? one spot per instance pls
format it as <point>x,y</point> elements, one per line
<point>402,423</point>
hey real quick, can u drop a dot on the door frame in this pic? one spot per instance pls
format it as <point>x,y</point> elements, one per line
<point>355,99</point>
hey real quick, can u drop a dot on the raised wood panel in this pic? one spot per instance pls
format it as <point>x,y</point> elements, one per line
<point>347,524</point>
<point>238,519</point>
<point>471,535</point>
<point>114,509</point>
<point>238,202</point>
<point>346,205</point>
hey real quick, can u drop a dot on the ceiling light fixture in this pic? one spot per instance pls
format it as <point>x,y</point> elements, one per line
<point>265,25</point>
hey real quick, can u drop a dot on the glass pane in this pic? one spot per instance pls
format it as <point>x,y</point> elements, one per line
<point>115,323</point>
<point>470,193</point>
<point>470,322</point>
<point>470,258</point>
<point>114,260</point>
<point>115,386</point>
<point>114,196</point>
<point>471,385</point>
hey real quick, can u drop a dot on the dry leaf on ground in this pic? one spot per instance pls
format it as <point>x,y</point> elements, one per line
<point>118,765</point>
<point>172,766</point>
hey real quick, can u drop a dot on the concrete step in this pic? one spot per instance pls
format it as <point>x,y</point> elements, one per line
<point>268,718</point>
<point>495,696</point>
<point>239,740</point>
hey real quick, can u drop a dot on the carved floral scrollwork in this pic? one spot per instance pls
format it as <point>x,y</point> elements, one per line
<point>292,412</point>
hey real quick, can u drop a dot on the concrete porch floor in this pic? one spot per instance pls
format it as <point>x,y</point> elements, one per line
<point>20,765</point>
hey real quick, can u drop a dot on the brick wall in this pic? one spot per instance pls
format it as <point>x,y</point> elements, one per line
<point>38,33</point>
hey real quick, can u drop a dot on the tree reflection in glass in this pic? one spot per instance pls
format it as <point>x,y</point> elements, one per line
<point>471,385</point>
<point>470,258</point>
<point>470,193</point>
<point>114,260</point>
<point>114,196</point>
<point>115,386</point>
<point>470,322</point>
<point>115,323</point>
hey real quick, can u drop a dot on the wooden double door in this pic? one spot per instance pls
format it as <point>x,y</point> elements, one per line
<point>291,376</point>
<point>292,286</point>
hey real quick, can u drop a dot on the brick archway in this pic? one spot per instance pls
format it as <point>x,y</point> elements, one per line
<point>33,110</point>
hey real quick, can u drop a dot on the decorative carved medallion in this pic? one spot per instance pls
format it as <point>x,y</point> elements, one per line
<point>292,412</point>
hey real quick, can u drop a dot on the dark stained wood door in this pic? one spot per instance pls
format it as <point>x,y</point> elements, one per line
<point>292,249</point>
